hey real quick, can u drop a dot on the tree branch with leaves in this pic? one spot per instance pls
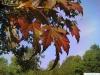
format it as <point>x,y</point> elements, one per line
<point>38,23</point>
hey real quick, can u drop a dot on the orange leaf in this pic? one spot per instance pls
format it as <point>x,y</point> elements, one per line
<point>49,4</point>
<point>75,32</point>
<point>58,45</point>
<point>76,6</point>
<point>23,26</point>
<point>66,5</point>
<point>46,39</point>
<point>56,35</point>
<point>63,40</point>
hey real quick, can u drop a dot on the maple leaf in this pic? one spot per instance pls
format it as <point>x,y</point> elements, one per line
<point>46,37</point>
<point>51,13</point>
<point>71,25</point>
<point>37,13</point>
<point>60,39</point>
<point>23,26</point>
<point>67,6</point>
<point>56,35</point>
<point>35,27</point>
<point>75,32</point>
<point>75,6</point>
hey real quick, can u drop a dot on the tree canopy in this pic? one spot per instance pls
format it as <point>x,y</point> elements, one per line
<point>38,22</point>
<point>91,59</point>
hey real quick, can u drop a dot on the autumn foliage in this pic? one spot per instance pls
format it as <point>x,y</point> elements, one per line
<point>40,17</point>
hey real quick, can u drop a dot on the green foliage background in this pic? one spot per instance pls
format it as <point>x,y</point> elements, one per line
<point>73,65</point>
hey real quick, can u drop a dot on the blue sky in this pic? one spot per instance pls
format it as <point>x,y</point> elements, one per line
<point>89,25</point>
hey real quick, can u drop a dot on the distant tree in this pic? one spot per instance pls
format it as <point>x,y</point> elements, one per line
<point>91,59</point>
<point>75,65</point>
<point>3,66</point>
<point>72,66</point>
<point>13,67</point>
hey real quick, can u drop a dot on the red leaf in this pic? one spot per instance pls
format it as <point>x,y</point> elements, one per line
<point>56,35</point>
<point>46,39</point>
<point>75,32</point>
<point>68,6</point>
<point>23,26</point>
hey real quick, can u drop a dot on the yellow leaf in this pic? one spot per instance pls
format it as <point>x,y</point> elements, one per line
<point>50,4</point>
